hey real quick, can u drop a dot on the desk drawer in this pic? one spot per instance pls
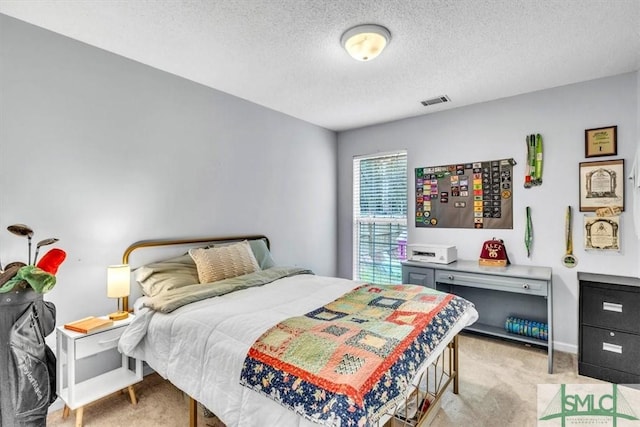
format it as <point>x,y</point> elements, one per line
<point>418,276</point>
<point>611,308</point>
<point>96,343</point>
<point>498,283</point>
<point>611,349</point>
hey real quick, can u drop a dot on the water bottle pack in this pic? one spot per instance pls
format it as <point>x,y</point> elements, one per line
<point>527,328</point>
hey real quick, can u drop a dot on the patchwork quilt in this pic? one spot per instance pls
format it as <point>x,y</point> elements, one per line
<point>350,361</point>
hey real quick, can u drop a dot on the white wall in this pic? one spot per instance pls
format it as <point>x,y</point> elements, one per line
<point>496,130</point>
<point>101,151</point>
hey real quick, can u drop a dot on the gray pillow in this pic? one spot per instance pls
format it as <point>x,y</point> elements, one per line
<point>166,275</point>
<point>262,254</point>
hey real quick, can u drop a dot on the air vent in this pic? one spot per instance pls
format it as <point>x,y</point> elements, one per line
<point>438,100</point>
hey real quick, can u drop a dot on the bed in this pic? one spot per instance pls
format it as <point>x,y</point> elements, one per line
<point>283,346</point>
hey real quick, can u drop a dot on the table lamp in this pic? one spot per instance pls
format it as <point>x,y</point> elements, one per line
<point>118,286</point>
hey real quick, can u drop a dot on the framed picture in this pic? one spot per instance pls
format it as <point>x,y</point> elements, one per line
<point>602,233</point>
<point>602,185</point>
<point>601,142</point>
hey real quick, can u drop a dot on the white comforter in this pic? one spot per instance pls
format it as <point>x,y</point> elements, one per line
<point>201,347</point>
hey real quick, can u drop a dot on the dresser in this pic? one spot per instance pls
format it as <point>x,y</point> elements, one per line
<point>497,292</point>
<point>609,328</point>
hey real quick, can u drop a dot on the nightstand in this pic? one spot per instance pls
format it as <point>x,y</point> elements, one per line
<point>74,348</point>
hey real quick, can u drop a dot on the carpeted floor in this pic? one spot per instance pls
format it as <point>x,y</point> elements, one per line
<point>497,387</point>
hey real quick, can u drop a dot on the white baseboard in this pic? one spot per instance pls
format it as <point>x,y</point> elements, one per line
<point>565,347</point>
<point>56,406</point>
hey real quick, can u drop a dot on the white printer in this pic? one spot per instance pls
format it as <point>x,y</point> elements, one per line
<point>440,254</point>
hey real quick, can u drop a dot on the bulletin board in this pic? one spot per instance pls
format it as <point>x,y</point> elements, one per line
<point>465,195</point>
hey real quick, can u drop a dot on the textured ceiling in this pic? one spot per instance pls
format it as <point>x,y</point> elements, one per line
<point>286,54</point>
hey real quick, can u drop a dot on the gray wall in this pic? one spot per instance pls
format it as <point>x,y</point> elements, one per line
<point>497,130</point>
<point>101,151</point>
<point>637,190</point>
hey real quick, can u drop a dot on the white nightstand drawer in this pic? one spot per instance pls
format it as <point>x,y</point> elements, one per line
<point>96,343</point>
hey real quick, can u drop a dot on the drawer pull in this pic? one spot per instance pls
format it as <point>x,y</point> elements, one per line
<point>613,348</point>
<point>610,306</point>
<point>525,286</point>
<point>450,277</point>
<point>103,342</point>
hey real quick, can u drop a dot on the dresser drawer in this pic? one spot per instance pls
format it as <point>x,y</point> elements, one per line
<point>610,308</point>
<point>96,343</point>
<point>498,283</point>
<point>610,349</point>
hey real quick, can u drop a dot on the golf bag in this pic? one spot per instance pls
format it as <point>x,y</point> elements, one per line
<point>27,364</point>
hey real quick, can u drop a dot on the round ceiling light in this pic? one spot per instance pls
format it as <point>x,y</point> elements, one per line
<point>365,42</point>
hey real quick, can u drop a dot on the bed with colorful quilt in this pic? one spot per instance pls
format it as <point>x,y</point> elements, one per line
<point>281,346</point>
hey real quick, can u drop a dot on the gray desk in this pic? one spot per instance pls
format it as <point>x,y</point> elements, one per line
<point>497,292</point>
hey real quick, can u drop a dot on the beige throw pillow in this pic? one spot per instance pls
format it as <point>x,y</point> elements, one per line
<point>224,262</point>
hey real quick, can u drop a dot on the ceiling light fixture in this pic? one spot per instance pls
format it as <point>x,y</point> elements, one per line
<point>365,42</point>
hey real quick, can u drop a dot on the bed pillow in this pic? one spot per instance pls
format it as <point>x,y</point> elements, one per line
<point>224,262</point>
<point>262,254</point>
<point>260,251</point>
<point>166,275</point>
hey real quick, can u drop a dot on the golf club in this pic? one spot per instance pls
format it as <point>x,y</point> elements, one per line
<point>22,230</point>
<point>44,242</point>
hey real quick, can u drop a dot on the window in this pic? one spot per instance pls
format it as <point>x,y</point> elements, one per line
<point>379,217</point>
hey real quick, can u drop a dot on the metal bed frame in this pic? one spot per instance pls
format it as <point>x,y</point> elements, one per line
<point>425,393</point>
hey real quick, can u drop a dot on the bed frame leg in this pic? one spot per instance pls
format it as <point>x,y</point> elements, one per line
<point>455,365</point>
<point>193,412</point>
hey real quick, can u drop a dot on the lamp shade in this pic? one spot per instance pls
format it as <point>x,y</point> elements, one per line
<point>118,281</point>
<point>365,42</point>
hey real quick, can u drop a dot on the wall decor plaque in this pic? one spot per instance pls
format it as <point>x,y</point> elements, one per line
<point>602,233</point>
<point>601,142</point>
<point>601,185</point>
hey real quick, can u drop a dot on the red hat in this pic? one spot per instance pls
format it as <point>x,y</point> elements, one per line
<point>494,254</point>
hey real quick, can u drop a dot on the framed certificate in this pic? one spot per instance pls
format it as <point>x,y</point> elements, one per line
<point>601,142</point>
<point>601,185</point>
<point>602,233</point>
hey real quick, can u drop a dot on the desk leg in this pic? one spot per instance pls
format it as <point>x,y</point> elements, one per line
<point>549,299</point>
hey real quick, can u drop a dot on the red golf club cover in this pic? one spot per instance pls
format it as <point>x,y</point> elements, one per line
<point>52,260</point>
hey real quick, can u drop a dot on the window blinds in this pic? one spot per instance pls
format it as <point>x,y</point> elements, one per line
<point>379,217</point>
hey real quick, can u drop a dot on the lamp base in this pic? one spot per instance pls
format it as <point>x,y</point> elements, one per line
<point>119,315</point>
